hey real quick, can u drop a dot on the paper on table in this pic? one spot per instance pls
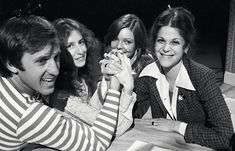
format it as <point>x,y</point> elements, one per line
<point>143,146</point>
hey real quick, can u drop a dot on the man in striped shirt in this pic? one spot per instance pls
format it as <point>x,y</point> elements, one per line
<point>29,65</point>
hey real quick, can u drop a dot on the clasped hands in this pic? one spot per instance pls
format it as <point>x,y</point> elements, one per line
<point>116,64</point>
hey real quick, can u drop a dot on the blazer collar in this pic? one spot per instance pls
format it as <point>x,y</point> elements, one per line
<point>183,79</point>
<point>151,70</point>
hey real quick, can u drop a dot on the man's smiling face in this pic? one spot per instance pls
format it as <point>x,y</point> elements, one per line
<point>41,70</point>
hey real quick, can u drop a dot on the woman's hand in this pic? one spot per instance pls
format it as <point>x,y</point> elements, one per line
<point>125,75</point>
<point>110,65</point>
<point>163,124</point>
<point>117,64</point>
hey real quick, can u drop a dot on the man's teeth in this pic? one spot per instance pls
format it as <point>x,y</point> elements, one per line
<point>78,58</point>
<point>47,80</point>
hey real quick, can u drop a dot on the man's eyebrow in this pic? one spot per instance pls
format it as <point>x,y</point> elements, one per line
<point>43,56</point>
<point>40,58</point>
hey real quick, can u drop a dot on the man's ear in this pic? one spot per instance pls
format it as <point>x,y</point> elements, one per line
<point>12,68</point>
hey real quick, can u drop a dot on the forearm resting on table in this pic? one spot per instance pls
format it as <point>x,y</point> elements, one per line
<point>125,118</point>
<point>74,135</point>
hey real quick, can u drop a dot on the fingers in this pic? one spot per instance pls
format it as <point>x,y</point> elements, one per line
<point>152,123</point>
<point>115,58</point>
<point>116,51</point>
<point>150,126</point>
<point>159,121</point>
<point>118,64</point>
<point>110,67</point>
<point>155,121</point>
<point>106,56</point>
<point>125,62</point>
<point>118,56</point>
<point>114,66</point>
<point>124,59</point>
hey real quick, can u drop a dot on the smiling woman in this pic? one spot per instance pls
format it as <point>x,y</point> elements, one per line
<point>169,39</point>
<point>125,42</point>
<point>77,47</point>
<point>128,35</point>
<point>180,94</point>
<point>78,77</point>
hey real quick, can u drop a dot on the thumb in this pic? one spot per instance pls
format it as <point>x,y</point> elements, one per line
<point>127,60</point>
<point>124,60</point>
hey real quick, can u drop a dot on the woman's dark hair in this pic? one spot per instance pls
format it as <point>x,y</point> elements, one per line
<point>177,17</point>
<point>91,71</point>
<point>138,29</point>
<point>132,22</point>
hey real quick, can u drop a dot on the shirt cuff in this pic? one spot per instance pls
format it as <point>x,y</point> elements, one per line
<point>103,88</point>
<point>128,113</point>
<point>126,100</point>
<point>182,128</point>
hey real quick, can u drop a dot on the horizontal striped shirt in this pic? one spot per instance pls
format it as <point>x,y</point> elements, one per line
<point>25,121</point>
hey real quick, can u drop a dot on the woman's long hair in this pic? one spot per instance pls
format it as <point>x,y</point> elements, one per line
<point>91,70</point>
<point>135,24</point>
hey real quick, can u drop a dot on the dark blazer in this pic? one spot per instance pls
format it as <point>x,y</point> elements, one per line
<point>204,110</point>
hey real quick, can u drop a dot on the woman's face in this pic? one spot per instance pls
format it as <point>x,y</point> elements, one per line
<point>77,48</point>
<point>125,42</point>
<point>169,47</point>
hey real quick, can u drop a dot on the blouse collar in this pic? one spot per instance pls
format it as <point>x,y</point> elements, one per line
<point>182,80</point>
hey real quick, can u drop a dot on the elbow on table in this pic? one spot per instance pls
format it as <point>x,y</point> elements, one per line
<point>214,141</point>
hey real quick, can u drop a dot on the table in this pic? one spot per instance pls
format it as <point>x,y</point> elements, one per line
<point>167,140</point>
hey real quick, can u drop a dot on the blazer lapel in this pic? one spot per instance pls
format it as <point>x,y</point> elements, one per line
<point>181,99</point>
<point>157,97</point>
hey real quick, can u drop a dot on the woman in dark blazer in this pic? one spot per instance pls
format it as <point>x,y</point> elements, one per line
<point>178,94</point>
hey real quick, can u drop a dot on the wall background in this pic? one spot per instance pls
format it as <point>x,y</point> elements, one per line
<point>211,15</point>
<point>212,20</point>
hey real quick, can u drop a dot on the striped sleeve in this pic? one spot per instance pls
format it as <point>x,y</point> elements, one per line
<point>106,121</point>
<point>43,125</point>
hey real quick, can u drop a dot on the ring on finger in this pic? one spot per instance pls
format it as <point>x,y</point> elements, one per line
<point>153,122</point>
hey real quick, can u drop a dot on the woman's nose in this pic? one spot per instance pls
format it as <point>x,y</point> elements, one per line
<point>119,45</point>
<point>80,49</point>
<point>166,47</point>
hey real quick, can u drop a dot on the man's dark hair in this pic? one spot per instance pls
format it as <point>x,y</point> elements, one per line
<point>23,34</point>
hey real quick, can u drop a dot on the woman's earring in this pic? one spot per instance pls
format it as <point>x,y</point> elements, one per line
<point>169,6</point>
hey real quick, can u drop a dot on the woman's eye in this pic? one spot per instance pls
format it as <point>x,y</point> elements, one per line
<point>175,43</point>
<point>160,41</point>
<point>127,42</point>
<point>114,41</point>
<point>69,46</point>
<point>82,42</point>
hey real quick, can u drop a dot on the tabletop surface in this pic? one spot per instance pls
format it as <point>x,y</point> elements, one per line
<point>164,140</point>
